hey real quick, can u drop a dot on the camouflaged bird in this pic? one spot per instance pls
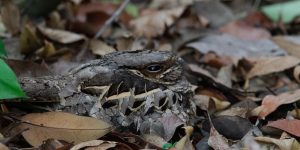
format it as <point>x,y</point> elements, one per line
<point>122,88</point>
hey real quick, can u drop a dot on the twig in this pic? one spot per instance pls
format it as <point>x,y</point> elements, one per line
<point>113,17</point>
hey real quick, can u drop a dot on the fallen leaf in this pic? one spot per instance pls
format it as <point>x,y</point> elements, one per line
<point>225,75</point>
<point>129,139</point>
<point>47,50</point>
<point>96,13</point>
<point>185,142</point>
<point>152,25</point>
<point>99,47</point>
<point>288,125</point>
<point>216,12</point>
<point>3,147</point>
<point>257,18</point>
<point>55,21</point>
<point>242,30</point>
<point>269,65</point>
<point>232,127</point>
<point>62,126</point>
<point>56,144</point>
<point>214,60</point>
<point>95,144</point>
<point>217,141</point>
<point>10,16</point>
<point>270,103</point>
<point>290,47</point>
<point>296,73</point>
<point>170,123</point>
<point>228,45</point>
<point>191,20</point>
<point>125,43</point>
<point>170,3</point>
<point>283,144</point>
<point>26,68</point>
<point>234,111</point>
<point>295,113</point>
<point>29,42</point>
<point>154,139</point>
<point>61,36</point>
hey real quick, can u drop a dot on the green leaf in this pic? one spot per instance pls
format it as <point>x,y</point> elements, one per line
<point>167,146</point>
<point>132,10</point>
<point>285,12</point>
<point>2,49</point>
<point>9,86</point>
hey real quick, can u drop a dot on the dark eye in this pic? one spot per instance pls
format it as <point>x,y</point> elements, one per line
<point>154,68</point>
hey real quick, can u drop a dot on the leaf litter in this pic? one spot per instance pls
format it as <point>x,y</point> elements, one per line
<point>249,58</point>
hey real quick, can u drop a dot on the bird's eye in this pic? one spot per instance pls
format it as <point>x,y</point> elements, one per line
<point>154,68</point>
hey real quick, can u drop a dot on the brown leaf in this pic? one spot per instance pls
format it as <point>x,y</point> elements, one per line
<point>269,65</point>
<point>152,25</point>
<point>96,13</point>
<point>47,50</point>
<point>288,125</point>
<point>296,73</point>
<point>270,103</point>
<point>3,147</point>
<point>56,144</point>
<point>25,68</point>
<point>10,16</point>
<point>29,42</point>
<point>290,47</point>
<point>62,126</point>
<point>185,142</point>
<point>61,36</point>
<point>242,30</point>
<point>283,144</point>
<point>124,43</point>
<point>99,47</point>
<point>95,144</point>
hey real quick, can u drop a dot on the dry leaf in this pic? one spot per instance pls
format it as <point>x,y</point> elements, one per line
<point>100,48</point>
<point>46,51</point>
<point>269,65</point>
<point>283,144</point>
<point>236,48</point>
<point>295,113</point>
<point>234,111</point>
<point>3,147</point>
<point>95,144</point>
<point>288,125</point>
<point>154,139</point>
<point>10,16</point>
<point>61,36</point>
<point>152,25</point>
<point>296,73</point>
<point>185,143</point>
<point>124,43</point>
<point>217,141</point>
<point>290,47</point>
<point>170,123</point>
<point>270,103</point>
<point>29,42</point>
<point>202,101</point>
<point>62,126</point>
<point>242,30</point>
